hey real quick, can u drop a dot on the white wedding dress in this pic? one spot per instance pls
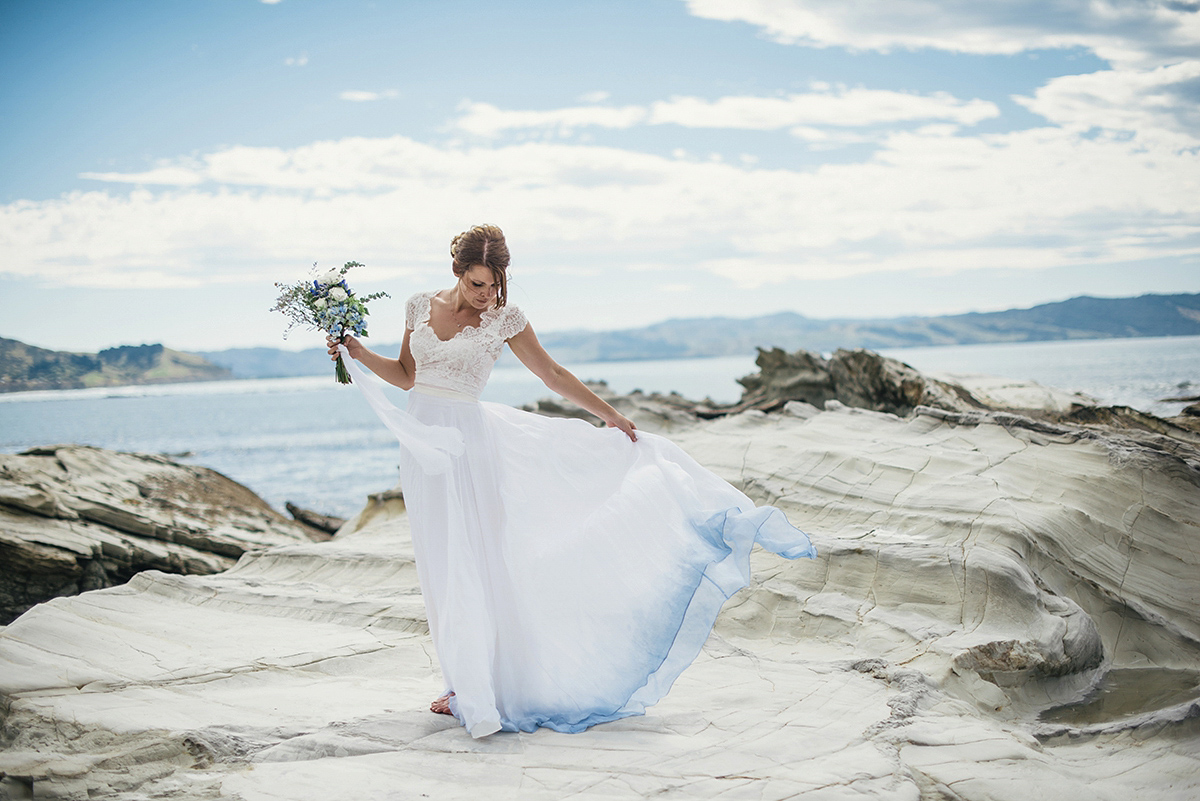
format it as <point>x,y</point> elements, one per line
<point>569,574</point>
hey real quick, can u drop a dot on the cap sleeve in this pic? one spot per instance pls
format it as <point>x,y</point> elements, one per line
<point>512,322</point>
<point>414,309</point>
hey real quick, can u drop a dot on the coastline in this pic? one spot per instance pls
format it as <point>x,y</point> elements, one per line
<point>984,577</point>
<point>957,358</point>
<point>300,439</point>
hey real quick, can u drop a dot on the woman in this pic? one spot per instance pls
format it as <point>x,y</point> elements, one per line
<point>569,573</point>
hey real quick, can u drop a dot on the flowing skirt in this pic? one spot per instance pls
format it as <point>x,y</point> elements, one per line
<point>569,574</point>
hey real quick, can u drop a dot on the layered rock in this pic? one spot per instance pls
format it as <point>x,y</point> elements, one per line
<point>858,378</point>
<point>997,547</point>
<point>75,518</point>
<point>982,576</point>
<point>994,392</point>
<point>866,380</point>
<point>801,376</point>
<point>650,412</point>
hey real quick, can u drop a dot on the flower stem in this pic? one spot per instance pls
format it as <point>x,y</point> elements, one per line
<point>343,377</point>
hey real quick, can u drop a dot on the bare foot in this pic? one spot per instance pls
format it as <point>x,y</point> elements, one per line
<point>442,705</point>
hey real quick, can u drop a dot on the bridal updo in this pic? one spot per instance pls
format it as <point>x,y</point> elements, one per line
<point>483,244</point>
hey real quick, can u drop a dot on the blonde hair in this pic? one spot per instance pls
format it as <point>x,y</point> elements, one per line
<point>484,245</point>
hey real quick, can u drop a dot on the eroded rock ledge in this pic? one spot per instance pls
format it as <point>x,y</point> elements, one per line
<point>987,580</point>
<point>863,379</point>
<point>75,518</point>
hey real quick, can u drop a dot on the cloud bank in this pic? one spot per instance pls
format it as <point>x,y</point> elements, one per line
<point>844,107</point>
<point>1126,32</point>
<point>927,199</point>
<point>1111,175</point>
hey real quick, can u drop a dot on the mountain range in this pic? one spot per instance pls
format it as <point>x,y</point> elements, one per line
<point>25,367</point>
<point>1078,318</point>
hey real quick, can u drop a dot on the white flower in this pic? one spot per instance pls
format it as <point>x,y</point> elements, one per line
<point>337,293</point>
<point>319,303</point>
<point>330,278</point>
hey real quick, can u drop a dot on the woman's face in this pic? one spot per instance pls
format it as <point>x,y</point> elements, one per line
<point>479,287</point>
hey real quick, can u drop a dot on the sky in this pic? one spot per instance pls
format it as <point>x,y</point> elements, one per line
<point>166,161</point>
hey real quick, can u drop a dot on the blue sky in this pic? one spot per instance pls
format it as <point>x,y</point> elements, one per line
<point>165,162</point>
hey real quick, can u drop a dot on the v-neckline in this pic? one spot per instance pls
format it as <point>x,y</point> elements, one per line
<point>429,321</point>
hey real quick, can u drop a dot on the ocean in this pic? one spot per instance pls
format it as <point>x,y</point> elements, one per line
<point>316,443</point>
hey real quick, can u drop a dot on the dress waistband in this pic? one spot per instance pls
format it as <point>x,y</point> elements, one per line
<point>442,392</point>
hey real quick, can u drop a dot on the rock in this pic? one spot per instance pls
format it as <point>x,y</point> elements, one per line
<point>75,518</point>
<point>994,392</point>
<point>322,525</point>
<point>978,571</point>
<point>859,378</point>
<point>863,379</point>
<point>1125,418</point>
<point>654,412</point>
<point>380,506</point>
<point>866,380</point>
<point>801,376</point>
<point>1046,522</point>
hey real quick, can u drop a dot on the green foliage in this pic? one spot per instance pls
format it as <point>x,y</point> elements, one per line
<point>328,304</point>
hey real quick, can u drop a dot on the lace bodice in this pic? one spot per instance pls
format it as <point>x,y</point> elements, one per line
<point>463,362</point>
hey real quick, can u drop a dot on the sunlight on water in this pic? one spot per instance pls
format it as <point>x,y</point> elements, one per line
<point>246,386</point>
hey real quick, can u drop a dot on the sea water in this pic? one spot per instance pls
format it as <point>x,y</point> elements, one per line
<point>316,443</point>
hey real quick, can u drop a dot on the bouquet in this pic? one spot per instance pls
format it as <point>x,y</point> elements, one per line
<point>326,304</point>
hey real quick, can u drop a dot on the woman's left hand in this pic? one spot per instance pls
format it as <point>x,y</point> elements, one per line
<point>625,424</point>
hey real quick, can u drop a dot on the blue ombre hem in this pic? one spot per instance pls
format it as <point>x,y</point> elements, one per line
<point>732,533</point>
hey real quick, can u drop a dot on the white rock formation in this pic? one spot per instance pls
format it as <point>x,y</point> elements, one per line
<point>1005,393</point>
<point>975,571</point>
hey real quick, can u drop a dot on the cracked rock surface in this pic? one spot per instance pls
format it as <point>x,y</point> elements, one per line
<point>76,518</point>
<point>982,579</point>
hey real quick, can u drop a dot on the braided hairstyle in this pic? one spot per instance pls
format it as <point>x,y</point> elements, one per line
<point>483,244</point>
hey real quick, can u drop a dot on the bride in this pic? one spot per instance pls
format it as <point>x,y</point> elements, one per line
<point>569,573</point>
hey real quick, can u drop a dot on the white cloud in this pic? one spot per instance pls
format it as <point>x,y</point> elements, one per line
<point>360,96</point>
<point>927,199</point>
<point>160,176</point>
<point>1161,102</point>
<point>271,2</point>
<point>826,107</point>
<point>1144,32</point>
<point>296,61</point>
<point>843,108</point>
<point>484,119</point>
<point>594,97</point>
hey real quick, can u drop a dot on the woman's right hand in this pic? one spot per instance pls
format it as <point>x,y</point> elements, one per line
<point>354,347</point>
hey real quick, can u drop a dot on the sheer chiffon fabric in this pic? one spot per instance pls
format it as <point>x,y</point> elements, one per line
<point>569,574</point>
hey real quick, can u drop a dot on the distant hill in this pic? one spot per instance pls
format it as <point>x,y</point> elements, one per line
<point>1077,318</point>
<point>276,363</point>
<point>25,367</point>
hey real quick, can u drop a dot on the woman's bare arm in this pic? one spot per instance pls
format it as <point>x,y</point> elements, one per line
<point>402,371</point>
<point>559,379</point>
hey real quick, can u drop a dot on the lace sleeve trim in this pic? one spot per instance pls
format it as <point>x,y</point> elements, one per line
<point>415,308</point>
<point>512,322</point>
